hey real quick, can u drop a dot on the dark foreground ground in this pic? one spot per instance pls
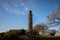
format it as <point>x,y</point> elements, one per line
<point>22,35</point>
<point>30,37</point>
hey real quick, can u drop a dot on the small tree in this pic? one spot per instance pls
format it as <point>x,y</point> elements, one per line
<point>22,32</point>
<point>52,32</point>
<point>41,27</point>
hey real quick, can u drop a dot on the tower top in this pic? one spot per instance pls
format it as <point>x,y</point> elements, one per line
<point>30,12</point>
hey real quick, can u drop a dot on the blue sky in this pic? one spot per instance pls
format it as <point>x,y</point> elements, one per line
<point>14,13</point>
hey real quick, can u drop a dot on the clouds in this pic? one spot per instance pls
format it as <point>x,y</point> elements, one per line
<point>14,6</point>
<point>25,10</point>
<point>23,5</point>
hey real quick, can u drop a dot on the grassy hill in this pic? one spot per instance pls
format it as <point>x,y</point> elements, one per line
<point>22,35</point>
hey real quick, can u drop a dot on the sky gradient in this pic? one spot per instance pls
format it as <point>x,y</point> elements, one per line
<point>14,13</point>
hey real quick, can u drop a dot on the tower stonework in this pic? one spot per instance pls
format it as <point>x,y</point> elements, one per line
<point>30,29</point>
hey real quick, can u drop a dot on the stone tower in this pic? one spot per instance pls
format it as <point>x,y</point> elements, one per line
<point>30,29</point>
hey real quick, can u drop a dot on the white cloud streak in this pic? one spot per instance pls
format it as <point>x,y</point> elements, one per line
<point>25,7</point>
<point>7,7</point>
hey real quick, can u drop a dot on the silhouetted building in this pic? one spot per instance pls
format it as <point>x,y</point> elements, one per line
<point>30,29</point>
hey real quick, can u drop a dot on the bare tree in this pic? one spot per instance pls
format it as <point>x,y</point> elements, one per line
<point>41,27</point>
<point>54,17</point>
<point>52,32</point>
